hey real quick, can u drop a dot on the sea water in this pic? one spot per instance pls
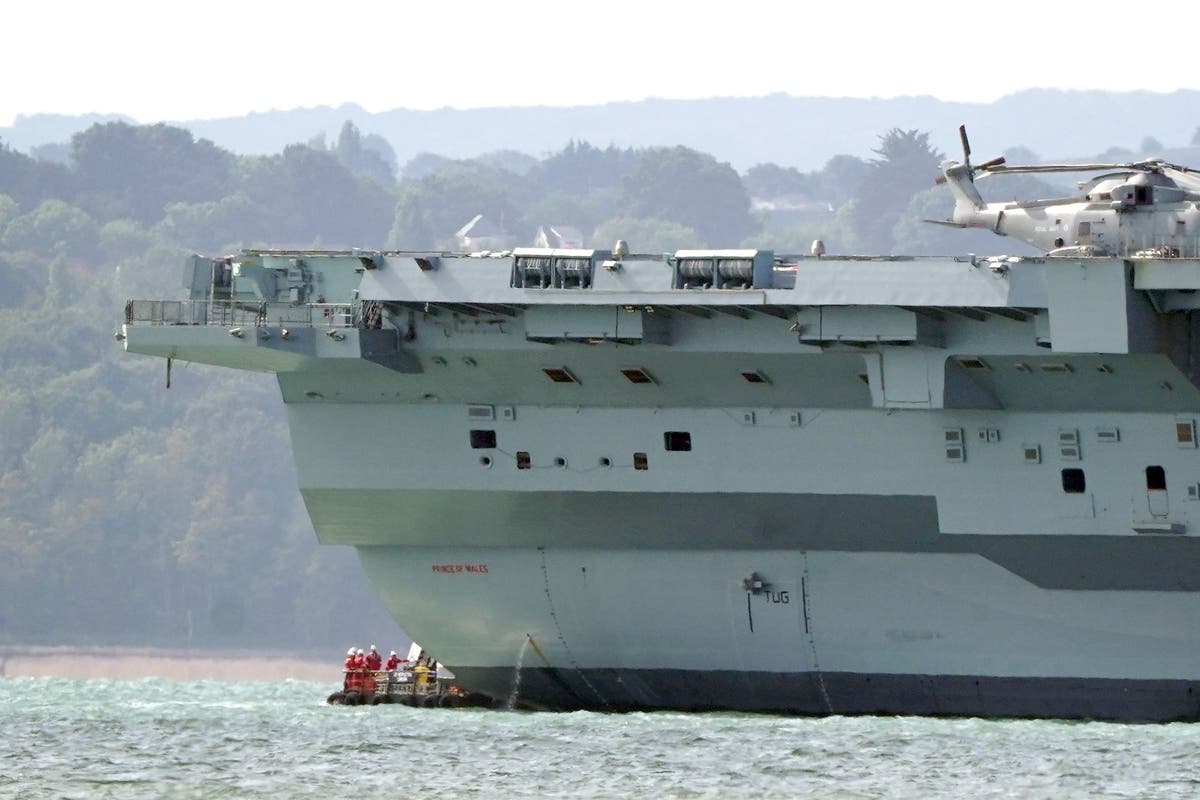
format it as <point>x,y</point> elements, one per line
<point>155,738</point>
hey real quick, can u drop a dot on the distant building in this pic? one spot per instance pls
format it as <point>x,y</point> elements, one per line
<point>790,209</point>
<point>560,237</point>
<point>482,234</point>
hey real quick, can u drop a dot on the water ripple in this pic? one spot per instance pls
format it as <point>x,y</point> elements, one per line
<point>135,739</point>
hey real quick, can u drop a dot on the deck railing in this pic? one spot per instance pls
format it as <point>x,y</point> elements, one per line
<point>230,312</point>
<point>1160,244</point>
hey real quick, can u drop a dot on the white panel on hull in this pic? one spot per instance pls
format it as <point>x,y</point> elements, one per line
<point>871,613</point>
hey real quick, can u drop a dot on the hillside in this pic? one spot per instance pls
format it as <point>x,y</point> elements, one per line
<point>803,132</point>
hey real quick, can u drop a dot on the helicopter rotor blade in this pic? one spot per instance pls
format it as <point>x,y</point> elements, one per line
<point>966,145</point>
<point>1166,165</point>
<point>991,164</point>
<point>1184,178</point>
<point>1066,168</point>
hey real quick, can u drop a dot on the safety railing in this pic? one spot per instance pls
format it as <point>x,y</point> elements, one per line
<point>231,312</point>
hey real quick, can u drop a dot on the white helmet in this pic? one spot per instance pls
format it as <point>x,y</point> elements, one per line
<point>392,653</point>
<point>372,648</point>
<point>350,652</point>
<point>359,651</point>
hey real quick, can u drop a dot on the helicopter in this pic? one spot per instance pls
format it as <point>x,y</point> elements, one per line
<point>1147,208</point>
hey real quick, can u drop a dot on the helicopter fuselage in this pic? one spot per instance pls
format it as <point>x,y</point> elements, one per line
<point>1095,225</point>
<point>1118,214</point>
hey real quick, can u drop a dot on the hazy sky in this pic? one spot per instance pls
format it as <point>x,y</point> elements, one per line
<point>170,60</point>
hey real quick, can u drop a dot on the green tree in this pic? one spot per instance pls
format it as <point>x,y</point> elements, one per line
<point>18,426</point>
<point>19,286</point>
<point>772,180</point>
<point>693,189</point>
<point>55,152</point>
<point>307,195</point>
<point>422,165</point>
<point>366,162</point>
<point>28,181</point>
<point>48,460</point>
<point>646,235</point>
<point>584,211</point>
<point>906,164</point>
<point>512,161</point>
<point>102,473</point>
<point>122,239</point>
<point>797,238</point>
<point>383,148</point>
<point>580,168</point>
<point>840,179</point>
<point>135,171</point>
<point>431,209</point>
<point>9,210</point>
<point>214,226</point>
<point>53,228</point>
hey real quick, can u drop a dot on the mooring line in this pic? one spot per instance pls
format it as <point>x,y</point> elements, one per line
<point>812,641</point>
<point>562,639</point>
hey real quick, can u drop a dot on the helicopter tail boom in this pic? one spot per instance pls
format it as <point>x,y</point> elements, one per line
<point>967,200</point>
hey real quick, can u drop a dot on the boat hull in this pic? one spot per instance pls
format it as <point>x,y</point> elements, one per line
<point>830,632</point>
<point>822,694</point>
<point>731,480</point>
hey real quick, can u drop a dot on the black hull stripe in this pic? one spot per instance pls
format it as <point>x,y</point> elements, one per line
<point>841,693</point>
<point>746,521</point>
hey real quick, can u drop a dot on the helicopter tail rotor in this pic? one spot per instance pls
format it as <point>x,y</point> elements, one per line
<point>966,145</point>
<point>971,171</point>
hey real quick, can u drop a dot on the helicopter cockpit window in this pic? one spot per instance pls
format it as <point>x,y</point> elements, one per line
<point>1141,195</point>
<point>1084,230</point>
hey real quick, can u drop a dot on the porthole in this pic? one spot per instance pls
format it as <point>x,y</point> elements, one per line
<point>605,462</point>
<point>559,461</point>
<point>483,439</point>
<point>485,461</point>
<point>677,440</point>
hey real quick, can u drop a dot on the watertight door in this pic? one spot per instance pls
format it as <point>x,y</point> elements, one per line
<point>1156,491</point>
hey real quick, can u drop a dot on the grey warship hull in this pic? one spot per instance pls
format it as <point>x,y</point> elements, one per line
<point>934,486</point>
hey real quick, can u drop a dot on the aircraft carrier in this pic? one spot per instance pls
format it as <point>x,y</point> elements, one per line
<point>731,479</point>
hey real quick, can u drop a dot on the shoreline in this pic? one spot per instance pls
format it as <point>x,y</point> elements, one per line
<point>180,664</point>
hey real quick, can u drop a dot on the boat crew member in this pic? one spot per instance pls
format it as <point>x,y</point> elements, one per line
<point>374,660</point>
<point>393,661</point>
<point>360,661</point>
<point>350,658</point>
<point>421,671</point>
